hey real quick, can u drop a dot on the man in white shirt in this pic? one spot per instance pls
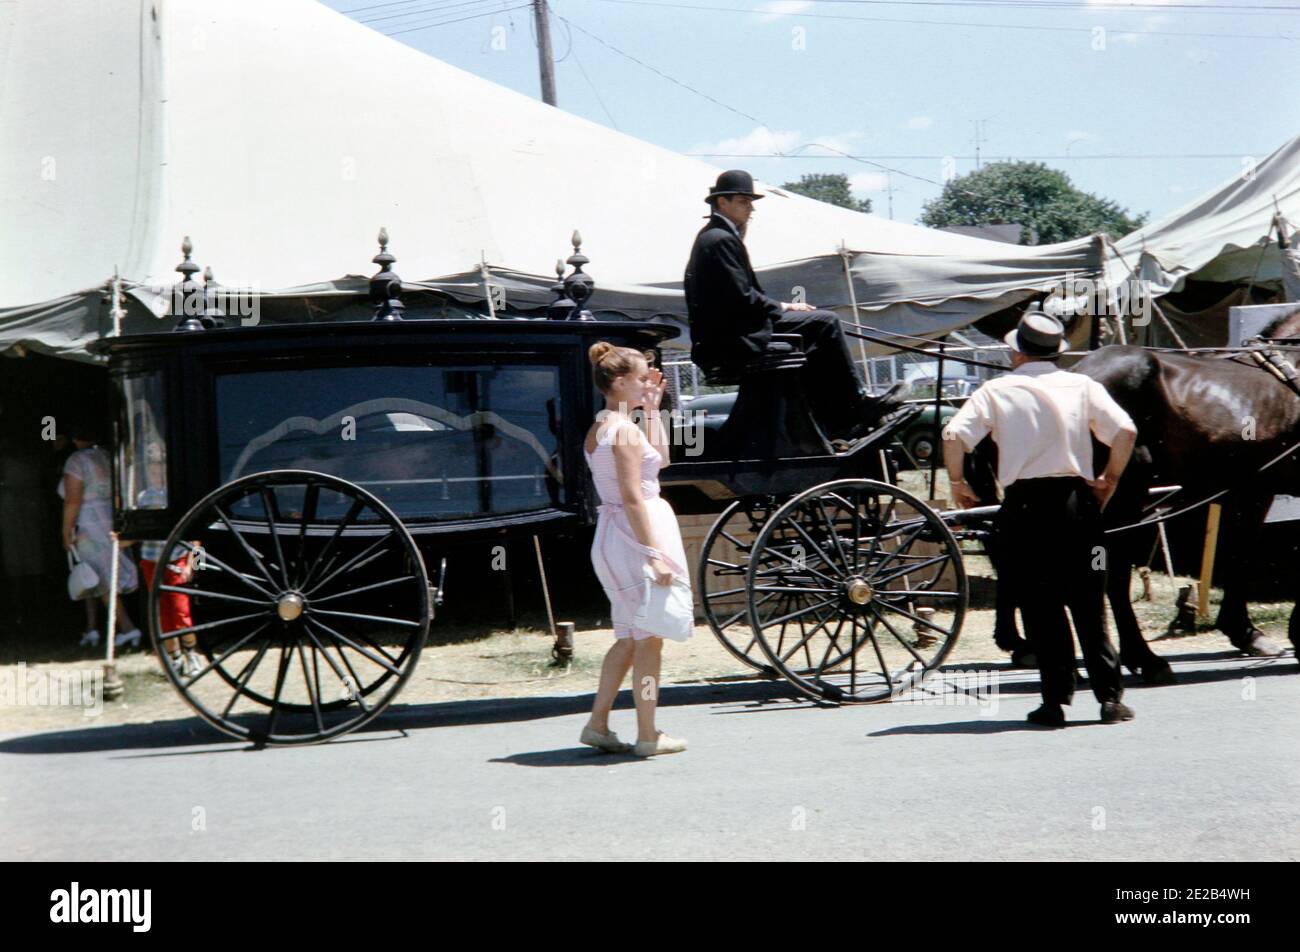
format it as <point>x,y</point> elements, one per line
<point>1049,526</point>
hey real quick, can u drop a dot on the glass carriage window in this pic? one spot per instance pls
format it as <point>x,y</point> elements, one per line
<point>439,442</point>
<point>142,456</point>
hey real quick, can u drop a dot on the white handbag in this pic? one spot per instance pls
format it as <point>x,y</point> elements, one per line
<point>82,579</point>
<point>666,610</point>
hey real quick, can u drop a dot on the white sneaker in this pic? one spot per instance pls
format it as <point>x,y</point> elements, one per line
<point>662,744</point>
<point>607,742</point>
<point>125,638</point>
<point>90,639</point>
<point>193,663</point>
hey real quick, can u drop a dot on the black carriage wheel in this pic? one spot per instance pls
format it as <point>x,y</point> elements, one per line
<point>876,591</point>
<point>720,578</point>
<point>309,606</point>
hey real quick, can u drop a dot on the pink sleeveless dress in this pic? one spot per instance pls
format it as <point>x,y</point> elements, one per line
<point>618,558</point>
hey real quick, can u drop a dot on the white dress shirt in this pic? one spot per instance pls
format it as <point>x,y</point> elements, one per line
<point>1040,417</point>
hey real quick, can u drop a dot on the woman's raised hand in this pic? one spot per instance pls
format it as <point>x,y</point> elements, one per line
<point>654,391</point>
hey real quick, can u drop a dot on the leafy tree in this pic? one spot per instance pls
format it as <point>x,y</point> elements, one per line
<point>832,189</point>
<point>1032,195</point>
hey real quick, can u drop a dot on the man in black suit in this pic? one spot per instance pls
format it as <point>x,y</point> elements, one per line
<point>732,319</point>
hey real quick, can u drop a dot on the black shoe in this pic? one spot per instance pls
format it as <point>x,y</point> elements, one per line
<point>1049,715</point>
<point>1112,712</point>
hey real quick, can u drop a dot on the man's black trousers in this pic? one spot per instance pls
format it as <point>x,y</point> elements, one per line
<point>1054,557</point>
<point>830,378</point>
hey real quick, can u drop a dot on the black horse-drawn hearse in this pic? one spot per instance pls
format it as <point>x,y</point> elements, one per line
<point>311,474</point>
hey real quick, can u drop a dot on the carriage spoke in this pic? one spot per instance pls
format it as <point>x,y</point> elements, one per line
<point>228,652</point>
<point>279,688</point>
<point>833,641</point>
<point>355,694</point>
<point>909,569</point>
<point>177,632</point>
<point>252,553</point>
<point>358,560</point>
<point>242,679</point>
<point>221,596</point>
<point>347,520</point>
<point>365,588</point>
<point>344,639</point>
<point>205,559</point>
<point>875,647</point>
<point>835,536</point>
<point>272,515</point>
<point>796,614</point>
<point>901,640</point>
<point>403,622</point>
<point>817,548</point>
<point>313,694</point>
<point>311,496</point>
<point>916,618</point>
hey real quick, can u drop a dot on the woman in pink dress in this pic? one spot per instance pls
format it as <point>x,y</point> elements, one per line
<point>635,529</point>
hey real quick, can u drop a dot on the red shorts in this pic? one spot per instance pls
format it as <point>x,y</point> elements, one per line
<point>173,607</point>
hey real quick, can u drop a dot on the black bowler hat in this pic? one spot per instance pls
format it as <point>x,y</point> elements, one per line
<point>734,182</point>
<point>1038,334</point>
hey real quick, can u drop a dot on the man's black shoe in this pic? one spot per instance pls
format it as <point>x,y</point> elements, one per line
<point>1112,712</point>
<point>1049,715</point>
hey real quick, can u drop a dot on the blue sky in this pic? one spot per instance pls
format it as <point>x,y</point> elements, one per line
<point>1185,91</point>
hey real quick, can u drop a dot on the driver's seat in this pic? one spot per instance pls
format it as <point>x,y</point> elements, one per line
<point>771,418</point>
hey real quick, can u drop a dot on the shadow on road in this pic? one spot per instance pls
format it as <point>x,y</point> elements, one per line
<point>567,757</point>
<point>398,719</point>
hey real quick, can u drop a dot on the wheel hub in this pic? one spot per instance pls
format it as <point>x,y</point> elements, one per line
<point>289,606</point>
<point>859,591</point>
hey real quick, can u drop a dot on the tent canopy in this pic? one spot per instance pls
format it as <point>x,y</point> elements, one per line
<point>1222,236</point>
<point>282,135</point>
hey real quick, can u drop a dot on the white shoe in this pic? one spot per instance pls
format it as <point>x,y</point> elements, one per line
<point>90,639</point>
<point>662,744</point>
<point>193,663</point>
<point>608,742</point>
<point>125,638</point>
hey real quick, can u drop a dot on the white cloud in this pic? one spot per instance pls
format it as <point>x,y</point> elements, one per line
<point>918,122</point>
<point>775,9</point>
<point>868,181</point>
<point>761,141</point>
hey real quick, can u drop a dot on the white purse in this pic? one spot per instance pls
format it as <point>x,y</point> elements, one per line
<point>82,579</point>
<point>666,610</point>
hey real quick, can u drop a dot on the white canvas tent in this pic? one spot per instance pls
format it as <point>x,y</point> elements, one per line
<point>1223,236</point>
<point>282,135</point>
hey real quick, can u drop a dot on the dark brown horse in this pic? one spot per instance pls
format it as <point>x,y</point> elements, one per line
<point>1206,423</point>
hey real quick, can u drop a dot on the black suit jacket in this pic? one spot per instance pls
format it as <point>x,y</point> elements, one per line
<point>731,318</point>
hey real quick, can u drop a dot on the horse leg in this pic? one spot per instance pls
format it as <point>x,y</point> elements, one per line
<point>1134,652</point>
<point>1006,634</point>
<point>1244,518</point>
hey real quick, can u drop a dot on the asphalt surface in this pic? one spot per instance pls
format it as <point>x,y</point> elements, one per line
<point>1208,771</point>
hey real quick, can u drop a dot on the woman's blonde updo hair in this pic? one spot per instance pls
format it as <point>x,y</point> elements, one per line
<point>609,361</point>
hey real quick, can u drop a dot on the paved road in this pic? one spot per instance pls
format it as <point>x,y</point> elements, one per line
<point>1209,770</point>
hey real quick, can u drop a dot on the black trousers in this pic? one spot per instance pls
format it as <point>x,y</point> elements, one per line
<point>1054,557</point>
<point>830,378</point>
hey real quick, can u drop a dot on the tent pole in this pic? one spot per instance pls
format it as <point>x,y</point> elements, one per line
<point>853,301</point>
<point>1169,326</point>
<point>487,285</point>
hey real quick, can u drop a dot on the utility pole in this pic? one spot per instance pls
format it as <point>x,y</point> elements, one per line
<point>979,138</point>
<point>889,190</point>
<point>544,52</point>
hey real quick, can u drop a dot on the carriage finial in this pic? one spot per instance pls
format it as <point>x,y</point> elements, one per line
<point>386,286</point>
<point>213,315</point>
<point>579,285</point>
<point>187,301</point>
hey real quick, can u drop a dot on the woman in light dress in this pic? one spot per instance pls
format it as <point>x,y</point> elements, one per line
<point>635,529</point>
<point>86,489</point>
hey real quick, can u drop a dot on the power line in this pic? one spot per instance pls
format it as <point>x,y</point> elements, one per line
<point>659,72</point>
<point>441,9</point>
<point>992,26</point>
<point>472,16</point>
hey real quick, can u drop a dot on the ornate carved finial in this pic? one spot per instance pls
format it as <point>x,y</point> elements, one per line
<point>579,285</point>
<point>187,300</point>
<point>386,286</point>
<point>213,315</point>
